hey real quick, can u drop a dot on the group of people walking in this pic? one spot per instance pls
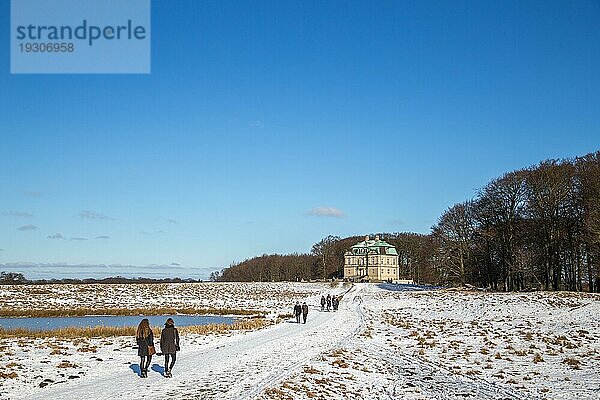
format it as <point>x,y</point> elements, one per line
<point>329,302</point>
<point>169,346</point>
<point>169,337</point>
<point>301,310</point>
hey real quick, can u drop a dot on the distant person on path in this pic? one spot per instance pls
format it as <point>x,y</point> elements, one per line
<point>297,311</point>
<point>304,312</point>
<point>328,302</point>
<point>169,345</point>
<point>323,301</point>
<point>334,302</point>
<point>145,341</point>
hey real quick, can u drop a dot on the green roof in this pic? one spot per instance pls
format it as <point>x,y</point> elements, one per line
<point>375,245</point>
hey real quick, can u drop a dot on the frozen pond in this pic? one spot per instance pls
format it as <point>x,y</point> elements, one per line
<point>42,324</point>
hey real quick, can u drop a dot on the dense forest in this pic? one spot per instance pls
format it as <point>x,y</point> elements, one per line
<point>533,229</point>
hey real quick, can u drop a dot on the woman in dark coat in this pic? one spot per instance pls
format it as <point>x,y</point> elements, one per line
<point>297,311</point>
<point>169,345</point>
<point>145,339</point>
<point>304,312</point>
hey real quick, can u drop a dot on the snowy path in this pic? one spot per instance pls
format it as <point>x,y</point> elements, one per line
<point>238,367</point>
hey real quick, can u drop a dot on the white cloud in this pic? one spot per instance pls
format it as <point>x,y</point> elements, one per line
<point>17,214</point>
<point>57,236</point>
<point>326,212</point>
<point>91,214</point>
<point>102,237</point>
<point>146,233</point>
<point>33,193</point>
<point>28,227</point>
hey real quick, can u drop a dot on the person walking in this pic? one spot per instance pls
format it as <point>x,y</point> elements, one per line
<point>169,345</point>
<point>304,312</point>
<point>145,341</point>
<point>297,311</point>
<point>323,303</point>
<point>328,302</point>
<point>334,302</point>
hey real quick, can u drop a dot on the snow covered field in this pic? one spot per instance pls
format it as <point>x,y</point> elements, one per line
<point>256,296</point>
<point>396,342</point>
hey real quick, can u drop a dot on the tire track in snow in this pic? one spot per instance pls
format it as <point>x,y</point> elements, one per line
<point>279,375</point>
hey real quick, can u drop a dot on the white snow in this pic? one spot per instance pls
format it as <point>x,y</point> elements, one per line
<point>385,342</point>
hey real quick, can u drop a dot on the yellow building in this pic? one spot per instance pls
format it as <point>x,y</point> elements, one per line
<point>371,260</point>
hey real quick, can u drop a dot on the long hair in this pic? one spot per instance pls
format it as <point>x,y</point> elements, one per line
<point>143,329</point>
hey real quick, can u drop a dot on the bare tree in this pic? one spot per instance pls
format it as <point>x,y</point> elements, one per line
<point>454,232</point>
<point>325,250</point>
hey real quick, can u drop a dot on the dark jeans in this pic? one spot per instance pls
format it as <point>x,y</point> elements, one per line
<point>145,362</point>
<point>298,318</point>
<point>304,317</point>
<point>173,359</point>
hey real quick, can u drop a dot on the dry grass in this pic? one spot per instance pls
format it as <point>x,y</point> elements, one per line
<point>337,353</point>
<point>311,370</point>
<point>69,333</point>
<point>341,363</point>
<point>111,331</point>
<point>278,394</point>
<point>66,364</point>
<point>8,375</point>
<point>88,349</point>
<point>572,362</point>
<point>84,312</point>
<point>247,324</point>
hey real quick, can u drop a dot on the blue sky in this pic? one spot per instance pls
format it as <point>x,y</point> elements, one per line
<point>265,126</point>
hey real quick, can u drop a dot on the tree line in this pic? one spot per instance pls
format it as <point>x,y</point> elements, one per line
<point>536,228</point>
<point>17,278</point>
